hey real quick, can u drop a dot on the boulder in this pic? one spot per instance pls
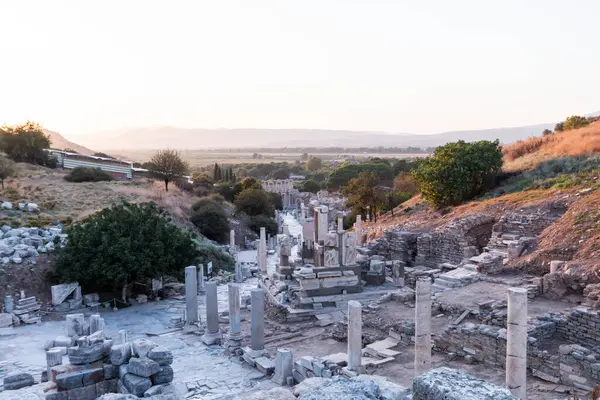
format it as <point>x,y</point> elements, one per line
<point>17,380</point>
<point>308,385</point>
<point>32,207</point>
<point>136,385</point>
<point>143,367</point>
<point>6,205</point>
<point>141,347</point>
<point>161,355</point>
<point>164,375</point>
<point>120,354</point>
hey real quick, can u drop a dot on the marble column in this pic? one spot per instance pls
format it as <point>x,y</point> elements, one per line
<point>213,333</point>
<point>257,341</point>
<point>284,365</point>
<point>191,295</point>
<point>423,326</point>
<point>234,337</point>
<point>96,323</point>
<point>239,276</point>
<point>358,229</point>
<point>122,336</point>
<point>232,239</point>
<point>262,256</point>
<point>201,278</point>
<point>354,336</point>
<point>516,343</point>
<point>340,222</point>
<point>9,304</point>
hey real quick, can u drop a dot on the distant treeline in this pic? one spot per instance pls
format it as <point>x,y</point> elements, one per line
<point>325,150</point>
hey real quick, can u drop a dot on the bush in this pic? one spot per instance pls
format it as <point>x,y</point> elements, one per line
<point>254,223</point>
<point>122,244</point>
<point>575,122</point>
<point>405,183</point>
<point>254,202</point>
<point>220,258</point>
<point>211,220</point>
<point>314,164</point>
<point>276,200</point>
<point>311,186</point>
<point>88,174</point>
<point>458,171</point>
<point>27,143</point>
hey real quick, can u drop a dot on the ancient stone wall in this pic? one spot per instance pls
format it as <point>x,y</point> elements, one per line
<point>529,221</point>
<point>580,326</point>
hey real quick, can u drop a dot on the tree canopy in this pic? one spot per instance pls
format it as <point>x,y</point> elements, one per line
<point>167,165</point>
<point>7,169</point>
<point>363,194</point>
<point>26,143</point>
<point>211,220</point>
<point>341,176</point>
<point>458,171</point>
<point>254,202</point>
<point>314,164</point>
<point>311,186</point>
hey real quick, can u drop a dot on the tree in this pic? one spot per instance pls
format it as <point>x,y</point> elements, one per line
<point>280,173</point>
<point>304,157</point>
<point>261,221</point>
<point>458,171</point>
<point>341,176</point>
<point>314,164</point>
<point>27,143</point>
<point>217,173</point>
<point>122,244</point>
<point>7,169</point>
<point>311,186</point>
<point>254,202</point>
<point>275,200</point>
<point>575,122</point>
<point>364,193</point>
<point>211,220</point>
<point>559,127</point>
<point>405,183</point>
<point>547,132</point>
<point>167,165</point>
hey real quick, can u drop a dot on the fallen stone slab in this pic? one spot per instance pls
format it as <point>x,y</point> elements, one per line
<point>17,380</point>
<point>143,367</point>
<point>136,385</point>
<point>5,320</point>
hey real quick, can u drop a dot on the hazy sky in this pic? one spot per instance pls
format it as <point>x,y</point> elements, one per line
<point>400,66</point>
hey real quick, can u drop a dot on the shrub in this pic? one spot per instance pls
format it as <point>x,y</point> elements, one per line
<point>575,122</point>
<point>27,143</point>
<point>254,202</point>
<point>458,171</point>
<point>211,220</point>
<point>221,259</point>
<point>311,186</point>
<point>405,183</point>
<point>341,176</point>
<point>7,169</point>
<point>254,223</point>
<point>88,174</point>
<point>122,244</point>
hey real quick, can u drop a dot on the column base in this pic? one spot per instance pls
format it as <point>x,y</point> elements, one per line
<point>212,338</point>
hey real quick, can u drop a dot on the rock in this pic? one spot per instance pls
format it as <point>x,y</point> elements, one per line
<point>307,385</point>
<point>141,347</point>
<point>111,371</point>
<point>17,260</point>
<point>6,205</point>
<point>340,388</point>
<point>5,228</point>
<point>143,367</point>
<point>83,393</point>
<point>136,385</point>
<point>32,207</point>
<point>93,376</point>
<point>86,355</point>
<point>277,393</point>
<point>389,390</point>
<point>107,386</point>
<point>120,354</point>
<point>161,355</point>
<point>164,375</point>
<point>450,384</point>
<point>17,380</point>
<point>5,320</point>
<point>117,396</point>
<point>69,380</point>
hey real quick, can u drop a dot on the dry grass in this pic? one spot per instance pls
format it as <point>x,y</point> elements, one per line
<point>526,154</point>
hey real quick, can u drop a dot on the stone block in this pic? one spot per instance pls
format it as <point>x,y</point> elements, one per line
<point>111,371</point>
<point>91,299</point>
<point>92,376</point>
<point>143,367</point>
<point>61,292</point>
<point>120,354</point>
<point>137,385</point>
<point>82,393</point>
<point>309,284</point>
<point>86,355</point>
<point>141,347</point>
<point>164,375</point>
<point>17,380</point>
<point>265,365</point>
<point>70,380</point>
<point>107,386</point>
<point>123,370</point>
<point>54,395</point>
<point>5,320</point>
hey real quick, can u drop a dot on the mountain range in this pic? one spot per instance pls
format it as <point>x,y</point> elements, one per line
<point>147,138</point>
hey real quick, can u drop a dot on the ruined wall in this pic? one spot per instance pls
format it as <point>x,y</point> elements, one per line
<point>530,221</point>
<point>396,245</point>
<point>581,326</point>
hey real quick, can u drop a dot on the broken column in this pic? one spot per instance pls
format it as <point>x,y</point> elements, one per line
<point>122,336</point>
<point>96,323</point>
<point>239,276</point>
<point>516,342</point>
<point>340,222</point>
<point>262,251</point>
<point>234,337</point>
<point>213,333</point>
<point>191,295</point>
<point>354,336</point>
<point>358,229</point>
<point>54,357</point>
<point>232,239</point>
<point>284,365</point>
<point>257,340</point>
<point>423,326</point>
<point>398,273</point>
<point>201,278</point>
<point>9,304</point>
<point>75,324</point>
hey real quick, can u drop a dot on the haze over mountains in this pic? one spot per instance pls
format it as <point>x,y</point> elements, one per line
<point>183,138</point>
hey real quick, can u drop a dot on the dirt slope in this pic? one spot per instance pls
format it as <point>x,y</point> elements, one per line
<point>59,142</point>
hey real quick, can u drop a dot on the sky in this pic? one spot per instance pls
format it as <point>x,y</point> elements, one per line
<point>410,66</point>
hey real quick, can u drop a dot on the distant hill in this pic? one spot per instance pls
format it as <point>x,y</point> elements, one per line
<point>197,138</point>
<point>59,142</point>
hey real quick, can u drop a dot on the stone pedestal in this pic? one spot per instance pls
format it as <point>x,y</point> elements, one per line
<point>516,343</point>
<point>284,366</point>
<point>422,326</point>
<point>191,295</point>
<point>354,336</point>
<point>233,339</point>
<point>9,304</point>
<point>201,278</point>
<point>213,333</point>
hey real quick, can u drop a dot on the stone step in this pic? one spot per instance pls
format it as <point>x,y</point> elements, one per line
<point>470,267</point>
<point>438,288</point>
<point>448,283</point>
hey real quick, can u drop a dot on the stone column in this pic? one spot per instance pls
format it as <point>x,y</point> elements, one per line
<point>122,336</point>
<point>262,251</point>
<point>286,229</point>
<point>54,357</point>
<point>239,277</point>
<point>234,337</point>
<point>9,304</point>
<point>398,273</point>
<point>201,278</point>
<point>284,365</point>
<point>358,230</point>
<point>354,336</point>
<point>516,342</point>
<point>213,333</point>
<point>257,342</point>
<point>75,324</point>
<point>340,219</point>
<point>191,295</point>
<point>96,323</point>
<point>423,326</point>
<point>232,239</point>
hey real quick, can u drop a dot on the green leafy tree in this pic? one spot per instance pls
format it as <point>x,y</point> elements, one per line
<point>122,244</point>
<point>559,127</point>
<point>256,222</point>
<point>405,183</point>
<point>167,165</point>
<point>314,164</point>
<point>7,169</point>
<point>575,122</point>
<point>341,176</point>
<point>311,186</point>
<point>27,143</point>
<point>211,220</point>
<point>275,200</point>
<point>280,173</point>
<point>458,171</point>
<point>254,202</point>
<point>304,157</point>
<point>547,132</point>
<point>363,194</point>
